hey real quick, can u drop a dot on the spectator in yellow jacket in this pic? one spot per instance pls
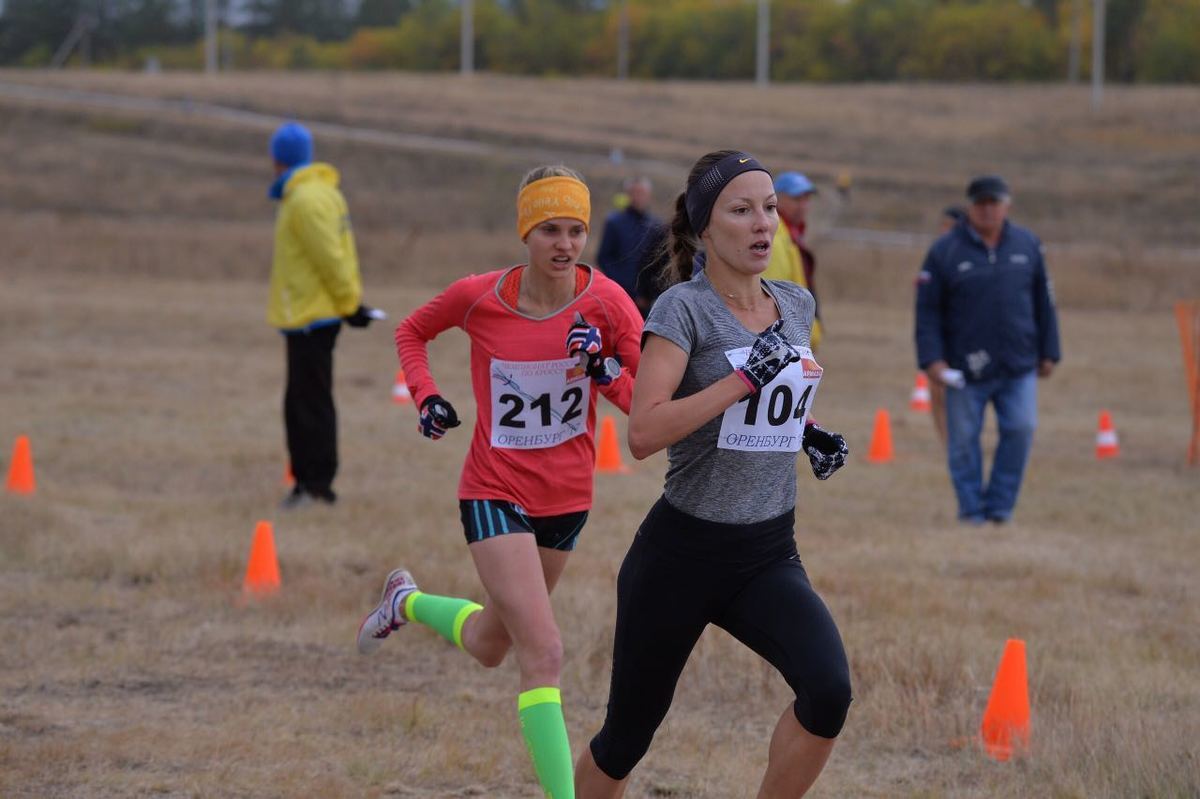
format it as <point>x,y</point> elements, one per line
<point>787,264</point>
<point>790,259</point>
<point>315,286</point>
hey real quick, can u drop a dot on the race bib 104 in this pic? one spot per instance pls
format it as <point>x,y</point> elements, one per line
<point>771,420</point>
<point>538,404</point>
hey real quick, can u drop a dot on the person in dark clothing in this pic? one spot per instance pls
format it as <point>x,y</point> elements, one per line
<point>986,327</point>
<point>627,242</point>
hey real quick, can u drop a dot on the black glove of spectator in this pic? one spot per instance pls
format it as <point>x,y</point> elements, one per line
<point>826,451</point>
<point>361,317</point>
<point>768,357</point>
<point>437,416</point>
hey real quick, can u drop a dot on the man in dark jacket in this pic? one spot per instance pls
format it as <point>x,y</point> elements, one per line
<point>629,237</point>
<point>986,327</point>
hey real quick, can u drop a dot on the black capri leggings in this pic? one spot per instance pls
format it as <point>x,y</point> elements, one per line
<point>683,573</point>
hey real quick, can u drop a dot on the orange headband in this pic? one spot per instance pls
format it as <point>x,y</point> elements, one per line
<point>551,198</point>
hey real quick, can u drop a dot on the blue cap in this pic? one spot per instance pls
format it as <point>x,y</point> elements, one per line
<point>793,184</point>
<point>292,145</point>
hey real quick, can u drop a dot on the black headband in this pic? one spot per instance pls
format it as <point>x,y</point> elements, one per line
<point>702,194</point>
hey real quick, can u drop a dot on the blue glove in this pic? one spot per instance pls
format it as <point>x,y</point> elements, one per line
<point>826,451</point>
<point>584,342</point>
<point>583,337</point>
<point>437,416</point>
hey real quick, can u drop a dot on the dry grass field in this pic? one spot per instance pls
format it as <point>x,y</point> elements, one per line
<point>134,355</point>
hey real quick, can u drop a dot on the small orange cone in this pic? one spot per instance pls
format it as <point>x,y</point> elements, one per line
<point>920,401</point>
<point>400,395</point>
<point>608,450</point>
<point>262,572</point>
<point>881,439</point>
<point>1106,438</point>
<point>1005,727</point>
<point>20,471</point>
<point>288,477</point>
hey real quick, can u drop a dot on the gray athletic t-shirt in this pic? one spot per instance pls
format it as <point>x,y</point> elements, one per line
<point>704,480</point>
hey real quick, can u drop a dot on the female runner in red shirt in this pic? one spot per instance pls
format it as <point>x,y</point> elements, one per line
<point>526,486</point>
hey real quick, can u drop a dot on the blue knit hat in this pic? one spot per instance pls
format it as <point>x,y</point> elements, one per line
<point>292,145</point>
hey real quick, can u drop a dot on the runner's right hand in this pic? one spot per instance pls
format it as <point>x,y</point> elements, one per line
<point>437,416</point>
<point>583,337</point>
<point>585,342</point>
<point>770,355</point>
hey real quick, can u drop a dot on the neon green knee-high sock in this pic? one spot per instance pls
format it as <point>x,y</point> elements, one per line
<point>445,614</point>
<point>545,734</point>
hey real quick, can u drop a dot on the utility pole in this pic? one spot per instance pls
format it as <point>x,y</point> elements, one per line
<point>466,59</point>
<point>1076,41</point>
<point>210,37</point>
<point>623,42</point>
<point>1097,54</point>
<point>762,70</point>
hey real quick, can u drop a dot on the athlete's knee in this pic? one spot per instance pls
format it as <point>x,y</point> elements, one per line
<point>486,639</point>
<point>822,707</point>
<point>491,656</point>
<point>543,656</point>
<point>617,752</point>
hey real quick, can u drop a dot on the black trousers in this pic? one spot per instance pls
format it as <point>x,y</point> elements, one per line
<point>308,412</point>
<point>682,574</point>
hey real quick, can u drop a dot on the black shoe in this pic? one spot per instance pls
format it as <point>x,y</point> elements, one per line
<point>300,497</point>
<point>325,495</point>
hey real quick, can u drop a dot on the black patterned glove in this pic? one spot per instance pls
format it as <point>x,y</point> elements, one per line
<point>826,451</point>
<point>770,355</point>
<point>437,416</point>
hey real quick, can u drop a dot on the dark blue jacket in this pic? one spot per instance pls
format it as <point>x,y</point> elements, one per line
<point>627,236</point>
<point>987,312</point>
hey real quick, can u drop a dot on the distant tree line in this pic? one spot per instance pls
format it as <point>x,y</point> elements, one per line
<point>817,40</point>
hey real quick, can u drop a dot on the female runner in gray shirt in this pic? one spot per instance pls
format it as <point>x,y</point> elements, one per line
<point>731,407</point>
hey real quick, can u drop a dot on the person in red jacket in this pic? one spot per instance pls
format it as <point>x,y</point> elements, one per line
<point>545,338</point>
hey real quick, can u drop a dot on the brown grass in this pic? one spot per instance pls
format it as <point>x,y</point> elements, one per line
<point>132,352</point>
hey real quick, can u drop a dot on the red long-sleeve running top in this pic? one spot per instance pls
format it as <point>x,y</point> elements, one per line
<point>533,442</point>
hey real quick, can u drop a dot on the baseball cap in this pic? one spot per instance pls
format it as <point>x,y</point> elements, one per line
<point>292,144</point>
<point>987,187</point>
<point>793,184</point>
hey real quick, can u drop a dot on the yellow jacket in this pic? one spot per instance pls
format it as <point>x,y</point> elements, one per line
<point>786,264</point>
<point>314,273</point>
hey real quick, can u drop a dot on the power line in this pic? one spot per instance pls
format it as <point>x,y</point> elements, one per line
<point>762,66</point>
<point>1097,54</point>
<point>466,59</point>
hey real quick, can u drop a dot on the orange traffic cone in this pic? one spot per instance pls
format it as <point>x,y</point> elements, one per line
<point>262,572</point>
<point>608,450</point>
<point>20,471</point>
<point>881,439</point>
<point>1106,438</point>
<point>1005,727</point>
<point>288,477</point>
<point>920,401</point>
<point>400,394</point>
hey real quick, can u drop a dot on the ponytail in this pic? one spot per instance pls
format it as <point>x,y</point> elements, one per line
<point>680,247</point>
<point>678,253</point>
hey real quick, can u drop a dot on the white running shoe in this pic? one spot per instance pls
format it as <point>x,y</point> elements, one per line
<point>387,615</point>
